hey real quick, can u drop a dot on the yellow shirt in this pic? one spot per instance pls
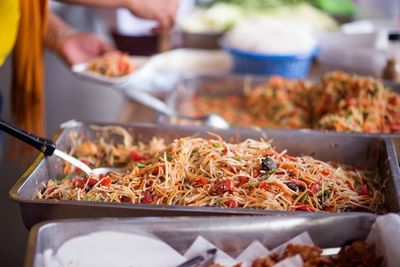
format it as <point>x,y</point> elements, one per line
<point>9,18</point>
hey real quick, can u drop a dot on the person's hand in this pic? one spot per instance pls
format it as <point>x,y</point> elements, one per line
<point>80,47</point>
<point>163,11</point>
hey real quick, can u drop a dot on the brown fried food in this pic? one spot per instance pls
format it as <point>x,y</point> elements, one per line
<point>311,255</point>
<point>358,254</point>
<point>265,262</point>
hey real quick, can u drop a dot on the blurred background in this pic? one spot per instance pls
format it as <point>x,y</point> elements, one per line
<point>344,35</point>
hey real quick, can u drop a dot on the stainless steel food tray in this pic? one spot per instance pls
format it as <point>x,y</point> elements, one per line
<point>231,234</point>
<point>325,146</point>
<point>224,85</point>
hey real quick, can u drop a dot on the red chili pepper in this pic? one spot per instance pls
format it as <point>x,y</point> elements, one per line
<point>304,207</point>
<point>79,183</point>
<point>135,156</point>
<point>325,172</point>
<point>147,198</point>
<point>263,185</point>
<point>231,203</point>
<point>92,182</point>
<point>243,180</point>
<point>364,190</point>
<point>256,173</point>
<point>228,185</point>
<point>314,189</point>
<point>106,181</point>
<point>202,181</point>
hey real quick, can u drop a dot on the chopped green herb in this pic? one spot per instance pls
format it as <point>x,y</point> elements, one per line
<point>140,165</point>
<point>304,198</point>
<point>89,198</point>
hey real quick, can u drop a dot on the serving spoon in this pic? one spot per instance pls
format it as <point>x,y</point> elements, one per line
<point>211,120</point>
<point>48,148</point>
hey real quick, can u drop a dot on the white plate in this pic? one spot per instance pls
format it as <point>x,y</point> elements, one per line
<point>80,70</point>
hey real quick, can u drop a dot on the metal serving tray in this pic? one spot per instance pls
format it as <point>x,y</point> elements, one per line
<point>324,146</point>
<point>231,234</point>
<point>224,85</point>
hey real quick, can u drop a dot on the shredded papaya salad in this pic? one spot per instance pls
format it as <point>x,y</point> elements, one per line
<point>112,64</point>
<point>339,102</point>
<point>355,103</point>
<point>278,103</point>
<point>194,171</point>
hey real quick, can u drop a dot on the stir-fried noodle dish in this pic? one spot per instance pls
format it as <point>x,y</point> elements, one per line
<point>194,171</point>
<point>338,102</point>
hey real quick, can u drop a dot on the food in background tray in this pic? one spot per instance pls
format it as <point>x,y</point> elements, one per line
<point>358,253</point>
<point>194,171</point>
<point>340,102</point>
<point>112,64</point>
<point>278,103</point>
<point>348,102</point>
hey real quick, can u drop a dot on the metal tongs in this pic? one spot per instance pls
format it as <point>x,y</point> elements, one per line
<point>48,148</point>
<point>203,260</point>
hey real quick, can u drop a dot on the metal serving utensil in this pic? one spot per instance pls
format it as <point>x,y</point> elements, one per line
<point>48,148</point>
<point>211,120</point>
<point>201,260</point>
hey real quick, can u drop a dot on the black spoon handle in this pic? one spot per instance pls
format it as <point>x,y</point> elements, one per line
<point>45,146</point>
